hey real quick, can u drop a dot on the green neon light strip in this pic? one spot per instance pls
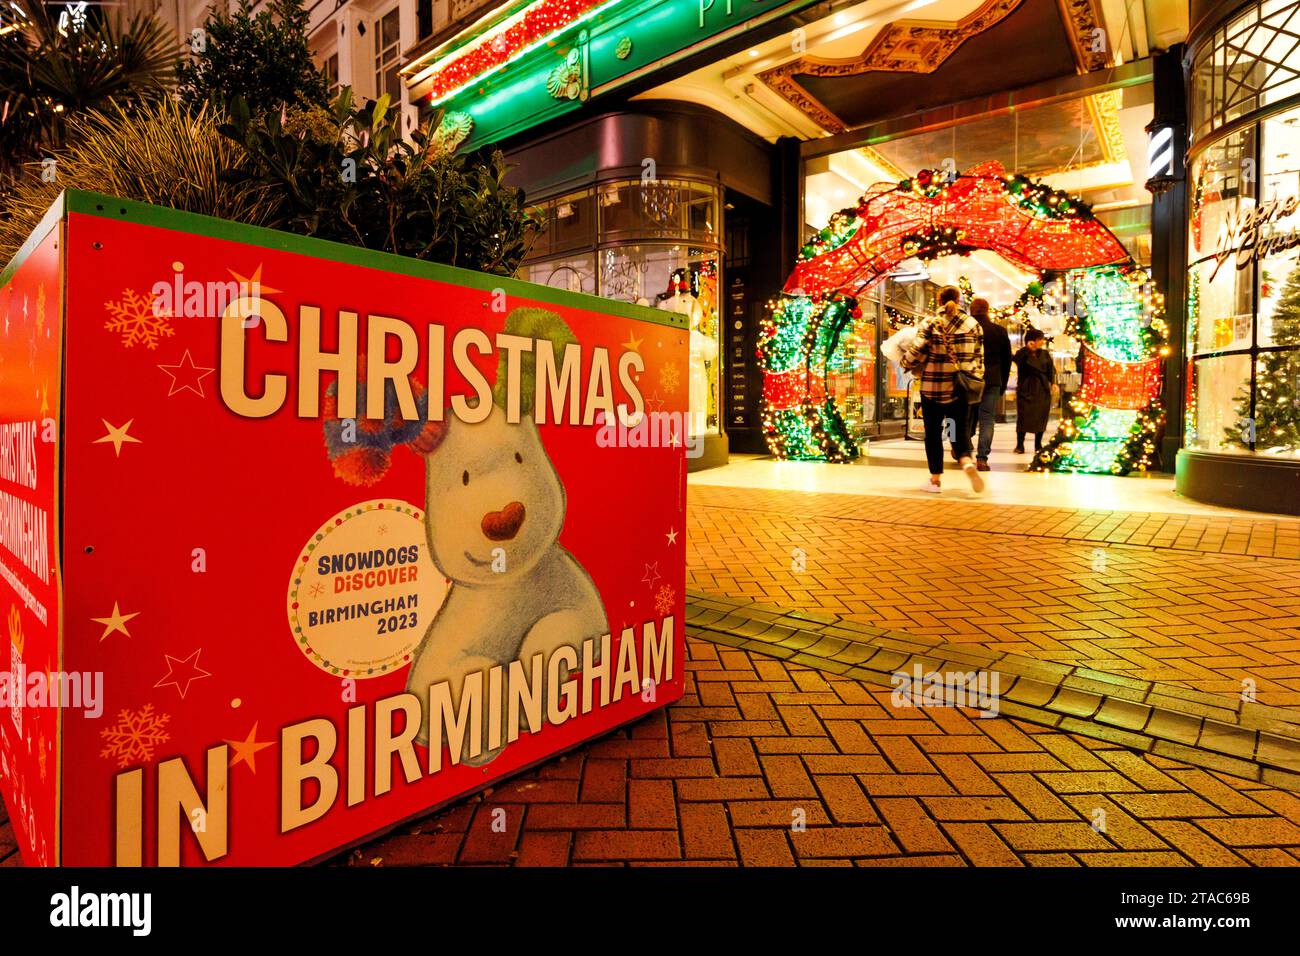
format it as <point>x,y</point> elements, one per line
<point>109,207</point>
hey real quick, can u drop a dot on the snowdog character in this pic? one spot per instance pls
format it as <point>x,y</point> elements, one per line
<point>494,510</point>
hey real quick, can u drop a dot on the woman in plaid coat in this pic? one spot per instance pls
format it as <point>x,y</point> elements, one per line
<point>942,343</point>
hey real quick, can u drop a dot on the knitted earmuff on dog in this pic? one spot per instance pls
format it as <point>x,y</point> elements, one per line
<point>361,450</point>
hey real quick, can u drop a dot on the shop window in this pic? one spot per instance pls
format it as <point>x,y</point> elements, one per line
<point>572,274</point>
<point>572,221</point>
<point>1221,413</point>
<point>331,70</point>
<point>388,52</point>
<point>653,244</point>
<point>1250,62</point>
<point>659,209</point>
<point>851,371</point>
<point>1244,284</point>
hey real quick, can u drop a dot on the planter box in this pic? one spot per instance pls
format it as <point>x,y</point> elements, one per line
<point>276,512</point>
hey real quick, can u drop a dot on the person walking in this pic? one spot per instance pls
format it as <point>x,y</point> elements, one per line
<point>943,346</point>
<point>997,371</point>
<point>1035,376</point>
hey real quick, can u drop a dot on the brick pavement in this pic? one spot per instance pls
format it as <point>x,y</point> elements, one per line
<point>721,777</point>
<point>1196,602</point>
<point>758,744</point>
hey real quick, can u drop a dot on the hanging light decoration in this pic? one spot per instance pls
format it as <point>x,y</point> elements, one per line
<point>1115,420</point>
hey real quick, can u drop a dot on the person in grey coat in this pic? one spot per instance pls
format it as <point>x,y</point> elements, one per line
<point>1035,376</point>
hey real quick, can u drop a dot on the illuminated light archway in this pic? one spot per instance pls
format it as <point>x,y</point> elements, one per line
<point>1117,413</point>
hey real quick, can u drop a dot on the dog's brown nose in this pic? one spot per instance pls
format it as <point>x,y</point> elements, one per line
<point>504,524</point>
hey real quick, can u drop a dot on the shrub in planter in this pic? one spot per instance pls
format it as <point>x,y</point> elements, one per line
<point>159,153</point>
<point>49,77</point>
<point>263,58</point>
<point>347,174</point>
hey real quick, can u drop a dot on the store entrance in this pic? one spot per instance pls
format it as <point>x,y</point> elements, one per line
<point>1046,233</point>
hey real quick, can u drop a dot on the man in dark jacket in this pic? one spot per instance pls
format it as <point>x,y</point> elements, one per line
<point>997,370</point>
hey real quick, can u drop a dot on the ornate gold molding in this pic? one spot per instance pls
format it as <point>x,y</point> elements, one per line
<point>1086,28</point>
<point>905,46</point>
<point>1104,108</point>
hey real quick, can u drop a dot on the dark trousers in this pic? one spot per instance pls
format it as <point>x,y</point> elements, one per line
<point>1020,439</point>
<point>984,415</point>
<point>935,414</point>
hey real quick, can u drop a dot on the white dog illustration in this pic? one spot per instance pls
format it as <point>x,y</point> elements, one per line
<point>491,486</point>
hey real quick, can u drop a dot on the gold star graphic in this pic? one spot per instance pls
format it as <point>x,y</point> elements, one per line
<point>183,672</point>
<point>254,282</point>
<point>246,749</point>
<point>633,344</point>
<point>671,535</point>
<point>115,622</point>
<point>186,375</point>
<point>117,435</point>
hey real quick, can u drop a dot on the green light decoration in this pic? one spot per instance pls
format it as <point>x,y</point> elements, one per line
<point>1118,317</point>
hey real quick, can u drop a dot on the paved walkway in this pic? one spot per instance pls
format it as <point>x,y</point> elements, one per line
<point>765,762</point>
<point>1205,603</point>
<point>770,761</point>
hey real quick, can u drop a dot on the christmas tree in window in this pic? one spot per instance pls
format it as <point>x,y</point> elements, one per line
<point>1277,383</point>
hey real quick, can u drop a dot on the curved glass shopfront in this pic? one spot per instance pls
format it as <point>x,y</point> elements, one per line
<point>652,243</point>
<point>1242,426</point>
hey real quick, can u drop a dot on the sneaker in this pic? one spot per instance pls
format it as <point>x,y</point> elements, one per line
<point>931,487</point>
<point>982,465</point>
<point>973,473</point>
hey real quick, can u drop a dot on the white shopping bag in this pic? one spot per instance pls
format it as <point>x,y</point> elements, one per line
<point>894,346</point>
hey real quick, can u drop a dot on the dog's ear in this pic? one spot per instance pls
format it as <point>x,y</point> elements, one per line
<point>533,324</point>
<point>361,449</point>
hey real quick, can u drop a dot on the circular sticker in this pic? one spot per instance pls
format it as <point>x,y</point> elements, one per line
<point>364,591</point>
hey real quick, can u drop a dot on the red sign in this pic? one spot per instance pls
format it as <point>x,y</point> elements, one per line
<point>345,535</point>
<point>31,309</point>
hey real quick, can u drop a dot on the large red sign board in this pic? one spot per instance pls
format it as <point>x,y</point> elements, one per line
<point>344,536</point>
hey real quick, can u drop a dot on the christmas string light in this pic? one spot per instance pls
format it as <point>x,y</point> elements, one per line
<point>505,41</point>
<point>1116,418</point>
<point>1118,313</point>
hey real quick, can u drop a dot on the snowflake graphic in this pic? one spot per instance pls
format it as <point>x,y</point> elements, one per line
<point>669,378</point>
<point>665,599</point>
<point>134,317</point>
<point>135,736</point>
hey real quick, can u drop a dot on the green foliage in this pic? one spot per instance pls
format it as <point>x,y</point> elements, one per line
<point>264,59</point>
<point>47,79</point>
<point>347,174</point>
<point>1277,383</point>
<point>159,153</point>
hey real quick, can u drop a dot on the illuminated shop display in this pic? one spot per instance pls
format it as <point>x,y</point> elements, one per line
<point>1243,321</point>
<point>649,243</point>
<point>1042,230</point>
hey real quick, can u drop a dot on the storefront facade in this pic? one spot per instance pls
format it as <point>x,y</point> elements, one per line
<point>683,153</point>
<point>1242,443</point>
<point>691,237</point>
